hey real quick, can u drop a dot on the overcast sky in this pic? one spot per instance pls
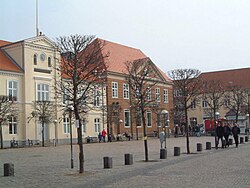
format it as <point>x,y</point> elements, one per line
<point>208,35</point>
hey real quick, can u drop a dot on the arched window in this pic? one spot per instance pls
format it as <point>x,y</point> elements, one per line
<point>49,62</point>
<point>35,59</point>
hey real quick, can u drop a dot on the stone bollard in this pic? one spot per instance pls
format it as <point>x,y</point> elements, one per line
<point>230,141</point>
<point>223,143</point>
<point>8,169</point>
<point>177,151</point>
<point>128,158</point>
<point>246,138</point>
<point>107,161</point>
<point>208,145</point>
<point>241,140</point>
<point>163,153</point>
<point>199,147</point>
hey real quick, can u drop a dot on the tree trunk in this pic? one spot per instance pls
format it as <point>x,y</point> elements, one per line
<point>145,137</point>
<point>42,133</point>
<point>1,135</point>
<point>187,129</point>
<point>80,143</point>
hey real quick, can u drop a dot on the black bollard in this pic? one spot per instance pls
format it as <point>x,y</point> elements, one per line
<point>241,140</point>
<point>8,169</point>
<point>163,153</point>
<point>199,147</point>
<point>208,145</point>
<point>128,158</point>
<point>230,141</point>
<point>177,151</point>
<point>246,138</point>
<point>107,161</point>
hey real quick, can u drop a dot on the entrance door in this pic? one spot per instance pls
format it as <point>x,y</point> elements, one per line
<point>39,132</point>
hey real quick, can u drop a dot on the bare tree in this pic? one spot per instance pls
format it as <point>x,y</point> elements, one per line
<point>213,98</point>
<point>141,78</point>
<point>237,100</point>
<point>45,112</point>
<point>7,109</point>
<point>187,84</point>
<point>82,67</point>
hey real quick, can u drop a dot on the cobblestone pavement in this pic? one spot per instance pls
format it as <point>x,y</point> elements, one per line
<point>50,166</point>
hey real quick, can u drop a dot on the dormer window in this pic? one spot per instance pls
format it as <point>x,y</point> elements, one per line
<point>49,62</point>
<point>35,59</point>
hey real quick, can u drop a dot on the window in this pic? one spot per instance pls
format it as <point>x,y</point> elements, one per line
<point>84,125</point>
<point>204,103</point>
<point>96,97</point>
<point>12,125</point>
<point>114,90</point>
<point>177,93</point>
<point>126,118</point>
<point>193,104</point>
<point>226,101</point>
<point>65,96</point>
<point>42,92</point>
<point>125,91</point>
<point>138,119</point>
<point>149,118</point>
<point>66,125</point>
<point>97,125</point>
<point>149,96</point>
<point>49,62</point>
<point>12,90</point>
<point>35,59</point>
<point>157,95</point>
<point>165,95</point>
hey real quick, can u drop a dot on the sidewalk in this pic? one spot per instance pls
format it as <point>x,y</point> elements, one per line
<point>50,166</point>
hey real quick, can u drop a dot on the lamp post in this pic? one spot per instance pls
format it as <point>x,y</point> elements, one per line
<point>217,114</point>
<point>1,131</point>
<point>55,123</point>
<point>247,124</point>
<point>71,108</point>
<point>165,122</point>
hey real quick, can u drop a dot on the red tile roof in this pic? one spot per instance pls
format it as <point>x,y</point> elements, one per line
<point>5,63</point>
<point>120,54</point>
<point>235,77</point>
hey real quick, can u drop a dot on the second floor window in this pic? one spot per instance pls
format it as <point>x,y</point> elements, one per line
<point>96,98</point>
<point>35,59</point>
<point>204,103</point>
<point>66,125</point>
<point>12,90</point>
<point>157,95</point>
<point>12,125</point>
<point>149,96</point>
<point>49,62</point>
<point>193,104</point>
<point>226,101</point>
<point>165,95</point>
<point>42,92</point>
<point>125,91</point>
<point>114,90</point>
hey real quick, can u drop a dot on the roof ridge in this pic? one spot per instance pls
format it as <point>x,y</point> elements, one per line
<point>228,70</point>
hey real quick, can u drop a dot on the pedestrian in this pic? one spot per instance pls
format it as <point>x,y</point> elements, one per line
<point>236,132</point>
<point>109,138</point>
<point>197,130</point>
<point>104,133</point>
<point>176,130</point>
<point>227,132</point>
<point>220,134</point>
<point>100,137</point>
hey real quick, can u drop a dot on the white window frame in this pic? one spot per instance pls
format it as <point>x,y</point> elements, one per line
<point>96,101</point>
<point>126,121</point>
<point>114,89</point>
<point>42,93</point>
<point>165,95</point>
<point>149,94</point>
<point>12,90</point>
<point>97,124</point>
<point>125,91</point>
<point>149,112</point>
<point>204,103</point>
<point>193,104</point>
<point>66,125</point>
<point>12,125</point>
<point>158,94</point>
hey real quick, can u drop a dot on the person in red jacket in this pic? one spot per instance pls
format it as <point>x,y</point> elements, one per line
<point>104,133</point>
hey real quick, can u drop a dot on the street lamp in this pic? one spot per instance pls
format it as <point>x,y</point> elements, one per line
<point>165,122</point>
<point>217,114</point>
<point>55,123</point>
<point>70,109</point>
<point>247,124</point>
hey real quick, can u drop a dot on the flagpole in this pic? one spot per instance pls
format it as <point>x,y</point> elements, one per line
<point>37,31</point>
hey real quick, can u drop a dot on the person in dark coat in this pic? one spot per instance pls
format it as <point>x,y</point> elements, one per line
<point>227,132</point>
<point>220,134</point>
<point>236,132</point>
